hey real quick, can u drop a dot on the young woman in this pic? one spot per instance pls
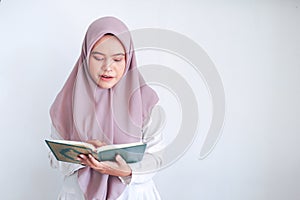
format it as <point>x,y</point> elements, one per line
<point>105,101</point>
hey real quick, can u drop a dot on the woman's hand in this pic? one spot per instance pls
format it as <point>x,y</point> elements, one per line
<point>117,168</point>
<point>96,143</point>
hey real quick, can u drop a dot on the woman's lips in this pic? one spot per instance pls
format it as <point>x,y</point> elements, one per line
<point>106,77</point>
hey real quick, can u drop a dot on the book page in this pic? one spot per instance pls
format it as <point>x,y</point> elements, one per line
<point>118,146</point>
<point>75,143</point>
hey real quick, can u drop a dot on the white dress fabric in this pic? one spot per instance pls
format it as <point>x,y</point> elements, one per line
<point>140,185</point>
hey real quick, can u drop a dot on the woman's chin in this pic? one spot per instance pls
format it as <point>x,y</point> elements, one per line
<point>106,85</point>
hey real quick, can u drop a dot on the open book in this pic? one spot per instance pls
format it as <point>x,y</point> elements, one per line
<point>67,151</point>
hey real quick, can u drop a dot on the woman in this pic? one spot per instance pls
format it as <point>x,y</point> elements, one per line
<point>105,101</point>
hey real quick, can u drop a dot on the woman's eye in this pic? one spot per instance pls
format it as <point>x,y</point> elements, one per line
<point>98,58</point>
<point>118,59</point>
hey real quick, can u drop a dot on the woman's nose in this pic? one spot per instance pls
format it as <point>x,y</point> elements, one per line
<point>107,66</point>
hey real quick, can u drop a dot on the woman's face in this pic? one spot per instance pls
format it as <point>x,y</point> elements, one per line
<point>107,61</point>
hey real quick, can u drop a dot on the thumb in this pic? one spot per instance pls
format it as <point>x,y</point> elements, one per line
<point>120,160</point>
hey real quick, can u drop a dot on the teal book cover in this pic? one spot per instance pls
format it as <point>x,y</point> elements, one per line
<point>67,151</point>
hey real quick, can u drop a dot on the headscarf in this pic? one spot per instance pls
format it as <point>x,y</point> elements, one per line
<point>83,111</point>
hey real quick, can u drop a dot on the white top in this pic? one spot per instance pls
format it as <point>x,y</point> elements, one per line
<point>140,184</point>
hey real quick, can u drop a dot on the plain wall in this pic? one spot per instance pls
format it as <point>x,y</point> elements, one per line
<point>255,46</point>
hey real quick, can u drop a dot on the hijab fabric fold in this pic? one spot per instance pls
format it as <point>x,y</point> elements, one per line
<point>83,111</point>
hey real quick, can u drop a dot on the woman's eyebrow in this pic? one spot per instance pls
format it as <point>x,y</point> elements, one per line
<point>116,54</point>
<point>96,52</point>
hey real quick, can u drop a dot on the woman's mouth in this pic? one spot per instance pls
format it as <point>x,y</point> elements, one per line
<point>106,77</point>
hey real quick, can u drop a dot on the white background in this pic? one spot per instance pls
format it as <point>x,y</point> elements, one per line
<point>255,46</point>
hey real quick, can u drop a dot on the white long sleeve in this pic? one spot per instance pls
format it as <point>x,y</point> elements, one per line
<point>144,170</point>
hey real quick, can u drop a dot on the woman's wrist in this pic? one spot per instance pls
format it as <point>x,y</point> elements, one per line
<point>126,179</point>
<point>126,173</point>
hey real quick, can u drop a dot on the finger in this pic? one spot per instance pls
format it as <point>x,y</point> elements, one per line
<point>93,160</point>
<point>124,167</point>
<point>94,163</point>
<point>96,143</point>
<point>120,160</point>
<point>93,142</point>
<point>82,158</point>
<point>89,161</point>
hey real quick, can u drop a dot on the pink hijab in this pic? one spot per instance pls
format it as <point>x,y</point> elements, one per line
<point>84,111</point>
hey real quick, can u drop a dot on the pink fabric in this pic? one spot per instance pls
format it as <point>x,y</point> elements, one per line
<point>84,111</point>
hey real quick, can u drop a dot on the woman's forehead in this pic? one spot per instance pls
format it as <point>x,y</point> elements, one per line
<point>108,45</point>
